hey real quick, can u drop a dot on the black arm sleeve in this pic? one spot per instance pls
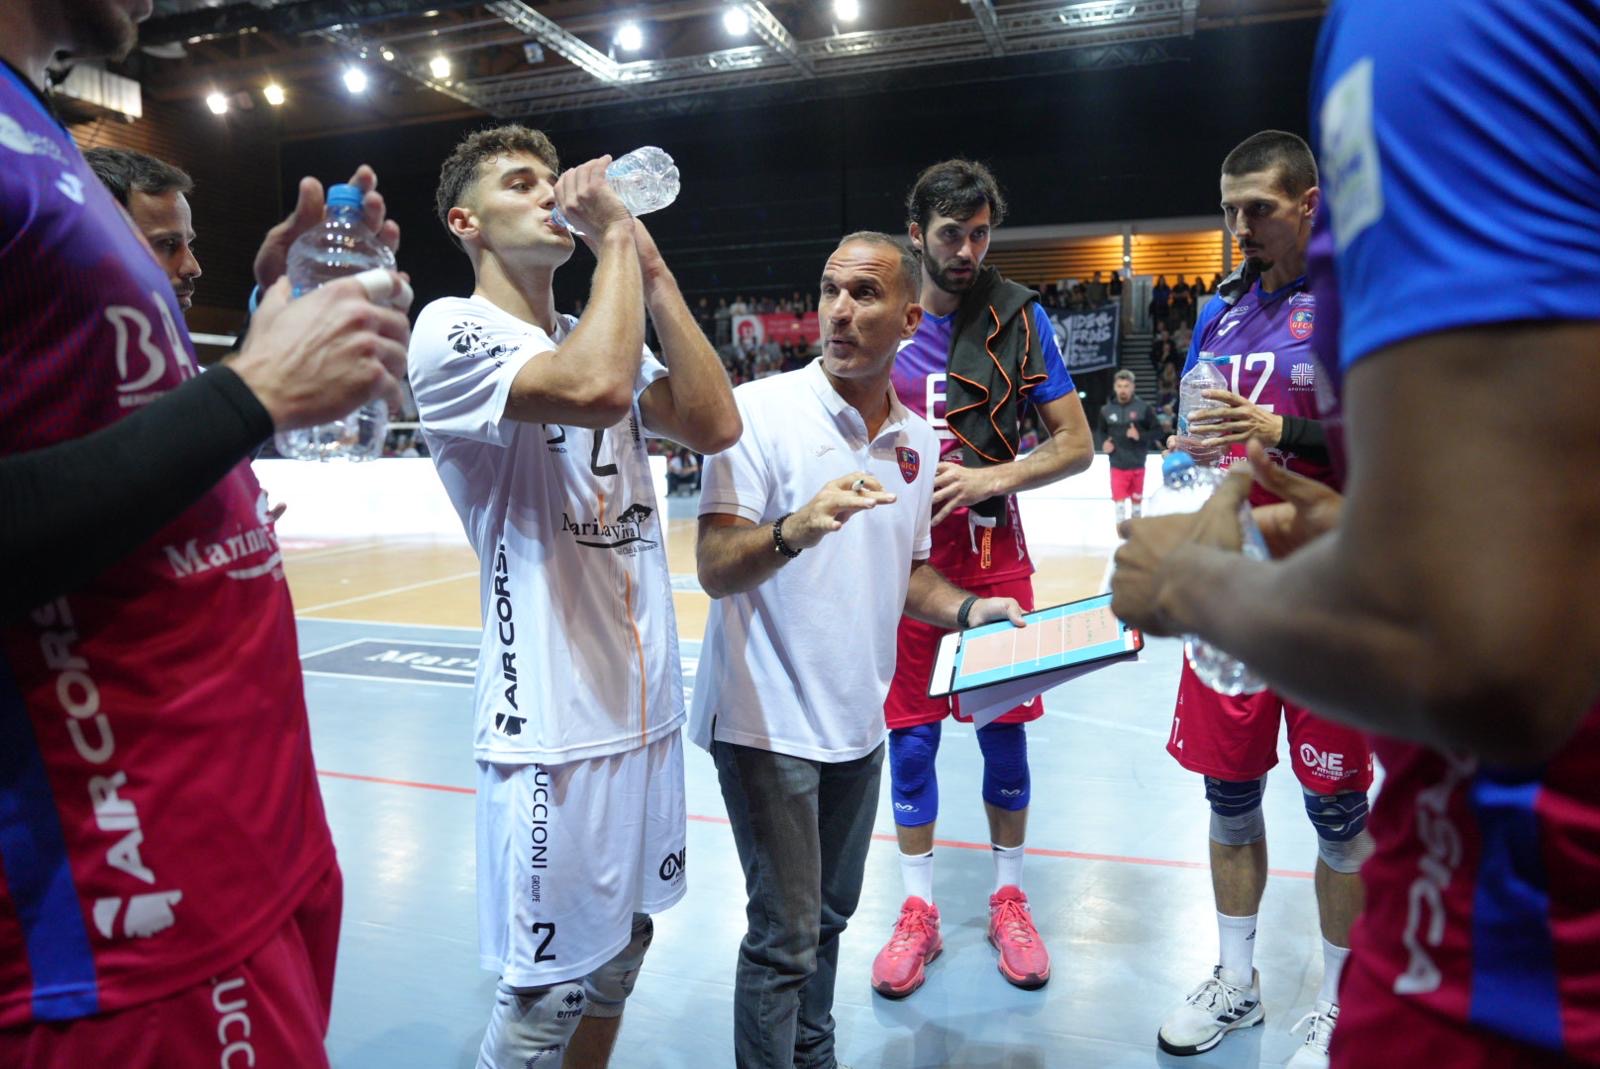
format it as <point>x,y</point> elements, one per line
<point>1306,437</point>
<point>70,510</point>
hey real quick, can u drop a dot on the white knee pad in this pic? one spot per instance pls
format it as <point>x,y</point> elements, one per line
<point>609,986</point>
<point>530,1027</point>
<point>1236,818</point>
<point>1347,856</point>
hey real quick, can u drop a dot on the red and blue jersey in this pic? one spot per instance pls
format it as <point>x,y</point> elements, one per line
<point>1459,143</point>
<point>159,812</point>
<point>920,370</point>
<point>1265,338</point>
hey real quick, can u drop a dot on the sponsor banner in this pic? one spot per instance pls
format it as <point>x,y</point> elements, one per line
<point>1088,340</point>
<point>780,328</point>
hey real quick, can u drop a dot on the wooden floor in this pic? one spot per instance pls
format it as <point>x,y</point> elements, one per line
<point>436,583</point>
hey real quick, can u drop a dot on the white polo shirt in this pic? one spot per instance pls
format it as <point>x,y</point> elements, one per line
<point>579,655</point>
<point>800,665</point>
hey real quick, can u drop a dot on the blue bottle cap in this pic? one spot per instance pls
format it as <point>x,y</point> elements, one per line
<point>344,195</point>
<point>1176,461</point>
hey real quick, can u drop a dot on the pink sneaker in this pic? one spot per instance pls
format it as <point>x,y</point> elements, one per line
<point>1023,959</point>
<point>900,967</point>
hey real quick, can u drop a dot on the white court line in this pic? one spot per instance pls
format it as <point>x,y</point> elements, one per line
<point>330,649</point>
<point>385,593</point>
<point>1105,577</point>
<point>387,623</point>
<point>330,551</point>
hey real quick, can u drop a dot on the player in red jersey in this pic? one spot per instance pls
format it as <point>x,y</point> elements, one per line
<point>168,891</point>
<point>984,347</point>
<point>1262,322</point>
<point>1451,603</point>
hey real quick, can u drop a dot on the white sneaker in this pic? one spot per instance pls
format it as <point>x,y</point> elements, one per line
<point>1313,1053</point>
<point>1214,1009</point>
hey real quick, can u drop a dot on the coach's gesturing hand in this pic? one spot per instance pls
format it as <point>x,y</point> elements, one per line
<point>833,506</point>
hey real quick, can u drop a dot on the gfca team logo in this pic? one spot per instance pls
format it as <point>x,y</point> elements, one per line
<point>1300,323</point>
<point>910,463</point>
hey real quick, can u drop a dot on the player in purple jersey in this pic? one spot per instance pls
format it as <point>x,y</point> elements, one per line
<point>1451,600</point>
<point>1262,321</point>
<point>162,841</point>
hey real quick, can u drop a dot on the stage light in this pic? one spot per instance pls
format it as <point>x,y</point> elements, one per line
<point>736,21</point>
<point>217,103</point>
<point>440,66</point>
<point>847,10</point>
<point>388,56</point>
<point>274,94</point>
<point>355,79</point>
<point>629,37</point>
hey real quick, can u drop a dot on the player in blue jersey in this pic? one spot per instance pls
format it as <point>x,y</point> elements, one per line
<point>1452,601</point>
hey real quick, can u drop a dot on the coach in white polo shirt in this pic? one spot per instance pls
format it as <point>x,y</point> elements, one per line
<point>814,537</point>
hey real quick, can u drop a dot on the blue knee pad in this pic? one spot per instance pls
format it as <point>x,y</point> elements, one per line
<point>1236,818</point>
<point>913,781</point>
<point>1005,766</point>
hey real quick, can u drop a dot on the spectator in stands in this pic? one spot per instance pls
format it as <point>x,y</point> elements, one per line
<point>683,472</point>
<point>1096,291</point>
<point>1167,400</point>
<point>722,318</point>
<point>739,307</point>
<point>1216,280</point>
<point>1114,290</point>
<point>1199,289</point>
<point>1181,336</point>
<point>1160,301</point>
<point>1162,350</point>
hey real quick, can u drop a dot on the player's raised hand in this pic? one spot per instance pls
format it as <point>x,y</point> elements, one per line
<point>831,509</point>
<point>272,257</point>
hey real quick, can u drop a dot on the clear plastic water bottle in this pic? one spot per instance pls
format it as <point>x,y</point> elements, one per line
<point>646,179</point>
<point>340,245</point>
<point>1205,375</point>
<point>1185,486</point>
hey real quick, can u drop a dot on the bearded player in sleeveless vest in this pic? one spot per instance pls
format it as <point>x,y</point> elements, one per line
<point>983,351</point>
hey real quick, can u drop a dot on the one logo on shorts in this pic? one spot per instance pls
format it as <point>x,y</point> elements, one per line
<point>1325,765</point>
<point>673,864</point>
<point>1300,321</point>
<point>910,463</point>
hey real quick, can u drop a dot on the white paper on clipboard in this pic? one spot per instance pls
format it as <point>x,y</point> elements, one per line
<point>986,704</point>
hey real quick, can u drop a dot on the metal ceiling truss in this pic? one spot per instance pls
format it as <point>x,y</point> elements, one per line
<point>367,48</point>
<point>1029,28</point>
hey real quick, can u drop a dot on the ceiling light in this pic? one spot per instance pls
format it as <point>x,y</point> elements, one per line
<point>847,10</point>
<point>355,79</point>
<point>274,94</point>
<point>217,103</point>
<point>440,66</point>
<point>736,21</point>
<point>388,56</point>
<point>629,37</point>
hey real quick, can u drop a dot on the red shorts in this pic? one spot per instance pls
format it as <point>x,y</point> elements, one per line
<point>1236,739</point>
<point>908,703</point>
<point>269,1011</point>
<point>1378,1027</point>
<point>1126,483</point>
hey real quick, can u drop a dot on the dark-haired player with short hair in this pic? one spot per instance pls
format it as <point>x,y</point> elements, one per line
<point>1262,319</point>
<point>154,192</point>
<point>535,421</point>
<point>984,349</point>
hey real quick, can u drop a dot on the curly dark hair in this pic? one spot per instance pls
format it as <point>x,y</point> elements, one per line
<point>957,188</point>
<point>485,146</point>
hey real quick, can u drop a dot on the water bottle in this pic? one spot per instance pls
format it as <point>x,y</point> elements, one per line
<point>646,179</point>
<point>1185,486</point>
<point>340,245</point>
<point>1205,375</point>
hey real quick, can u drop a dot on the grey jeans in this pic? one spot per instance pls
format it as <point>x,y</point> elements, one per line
<point>802,829</point>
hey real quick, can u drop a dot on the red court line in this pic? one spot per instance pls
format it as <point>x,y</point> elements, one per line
<point>1036,851</point>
